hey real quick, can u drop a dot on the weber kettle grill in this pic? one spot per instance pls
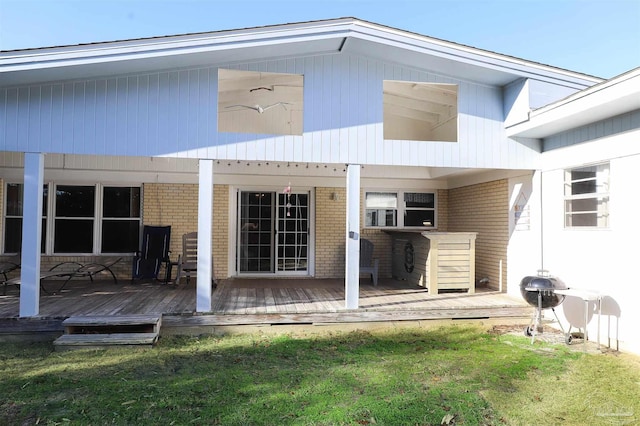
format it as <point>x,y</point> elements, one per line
<point>539,291</point>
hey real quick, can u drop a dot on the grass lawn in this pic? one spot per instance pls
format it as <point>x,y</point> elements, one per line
<point>449,375</point>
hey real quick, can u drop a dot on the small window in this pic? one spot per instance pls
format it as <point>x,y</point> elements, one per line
<point>418,209</point>
<point>587,197</point>
<point>381,209</point>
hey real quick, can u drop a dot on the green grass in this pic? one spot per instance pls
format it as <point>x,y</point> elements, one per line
<point>462,374</point>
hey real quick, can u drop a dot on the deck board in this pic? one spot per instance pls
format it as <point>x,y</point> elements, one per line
<point>267,300</point>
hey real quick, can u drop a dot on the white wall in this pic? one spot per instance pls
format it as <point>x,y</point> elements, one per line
<point>606,260</point>
<point>173,113</point>
<point>524,252</point>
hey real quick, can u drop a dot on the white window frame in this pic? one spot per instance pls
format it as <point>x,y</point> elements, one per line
<point>601,196</point>
<point>50,216</point>
<point>401,208</point>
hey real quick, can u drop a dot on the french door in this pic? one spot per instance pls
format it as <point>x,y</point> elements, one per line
<point>273,232</point>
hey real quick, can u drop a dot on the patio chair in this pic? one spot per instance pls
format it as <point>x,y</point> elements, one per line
<point>368,265</point>
<point>153,253</point>
<point>188,260</point>
<point>8,266</point>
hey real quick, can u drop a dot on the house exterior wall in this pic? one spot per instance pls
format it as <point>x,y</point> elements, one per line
<point>177,205</point>
<point>603,259</point>
<point>483,208</point>
<point>172,113</point>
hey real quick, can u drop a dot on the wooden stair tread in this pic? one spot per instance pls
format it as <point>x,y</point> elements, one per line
<point>112,320</point>
<point>106,339</point>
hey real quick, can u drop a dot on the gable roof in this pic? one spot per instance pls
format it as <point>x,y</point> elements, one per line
<point>334,36</point>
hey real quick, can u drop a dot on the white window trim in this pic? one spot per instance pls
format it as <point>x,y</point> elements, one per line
<point>591,195</point>
<point>401,208</point>
<point>50,217</point>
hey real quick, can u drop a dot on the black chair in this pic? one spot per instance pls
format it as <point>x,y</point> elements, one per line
<point>153,253</point>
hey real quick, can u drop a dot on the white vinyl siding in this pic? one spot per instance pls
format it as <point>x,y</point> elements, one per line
<point>174,114</point>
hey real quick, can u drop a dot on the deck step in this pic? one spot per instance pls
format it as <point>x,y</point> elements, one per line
<point>101,341</point>
<point>109,331</point>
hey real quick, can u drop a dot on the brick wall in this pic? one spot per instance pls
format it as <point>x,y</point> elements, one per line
<point>483,208</point>
<point>177,205</point>
<point>331,228</point>
<point>331,222</point>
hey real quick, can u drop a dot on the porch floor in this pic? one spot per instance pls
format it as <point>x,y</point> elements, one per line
<point>250,297</point>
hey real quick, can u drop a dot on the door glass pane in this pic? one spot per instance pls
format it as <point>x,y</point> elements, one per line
<point>293,226</point>
<point>255,248</point>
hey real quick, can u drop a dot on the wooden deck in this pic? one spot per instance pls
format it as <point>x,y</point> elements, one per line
<point>271,301</point>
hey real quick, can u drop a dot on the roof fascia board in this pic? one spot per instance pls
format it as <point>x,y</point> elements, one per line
<point>470,55</point>
<point>103,55</point>
<point>282,34</point>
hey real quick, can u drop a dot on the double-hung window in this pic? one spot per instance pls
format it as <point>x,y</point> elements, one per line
<point>400,209</point>
<point>586,196</point>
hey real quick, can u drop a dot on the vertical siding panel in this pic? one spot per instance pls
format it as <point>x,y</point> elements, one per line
<point>142,113</point>
<point>318,99</point>
<point>57,106</point>
<point>111,109</point>
<point>360,145</point>
<point>89,131</point>
<point>44,131</point>
<point>160,123</point>
<point>310,107</point>
<point>3,119</point>
<point>78,119</point>
<point>11,121</point>
<point>67,118</point>
<point>23,116</point>
<point>121,116</point>
<point>35,104</point>
<point>190,139</point>
<point>151,126</point>
<point>343,106</point>
<point>173,102</point>
<point>181,143</point>
<point>101,116</point>
<point>212,125</point>
<point>204,112</point>
<point>128,115</point>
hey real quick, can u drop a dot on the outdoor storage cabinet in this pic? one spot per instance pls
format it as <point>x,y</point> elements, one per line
<point>435,260</point>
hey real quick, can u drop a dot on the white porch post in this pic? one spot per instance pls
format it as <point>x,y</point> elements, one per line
<point>31,234</point>
<point>205,216</point>
<point>352,247</point>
